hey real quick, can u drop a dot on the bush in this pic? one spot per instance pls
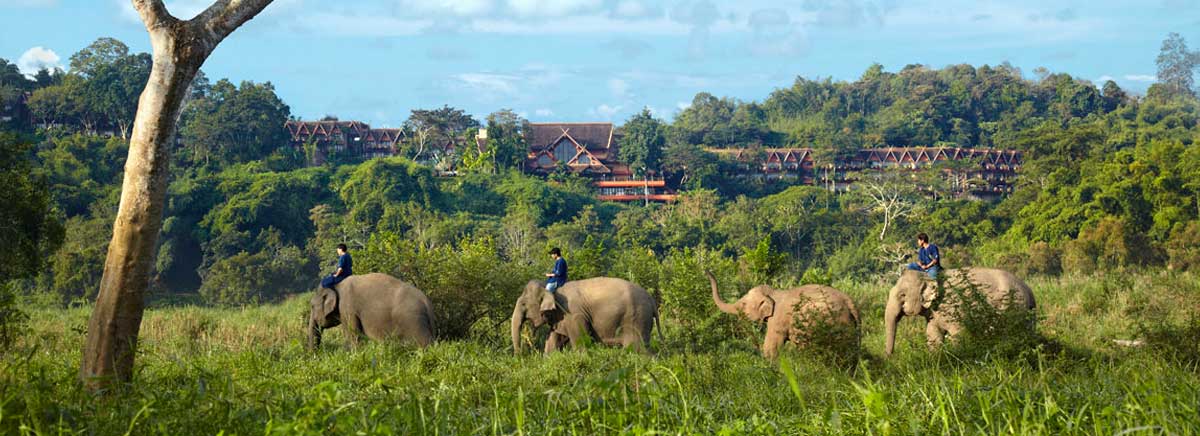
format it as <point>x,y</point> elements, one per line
<point>1175,341</point>
<point>816,276</point>
<point>1110,244</point>
<point>687,302</point>
<point>856,261</point>
<point>1043,259</point>
<point>265,276</point>
<point>12,319</point>
<point>469,283</point>
<point>1007,331</point>
<point>1183,247</point>
<point>836,343</point>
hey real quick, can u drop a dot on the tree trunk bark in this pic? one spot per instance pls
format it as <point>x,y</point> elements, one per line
<point>179,48</point>
<point>113,328</point>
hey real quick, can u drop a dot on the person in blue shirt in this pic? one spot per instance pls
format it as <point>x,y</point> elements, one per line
<point>558,276</point>
<point>345,267</point>
<point>929,259</point>
<point>554,279</point>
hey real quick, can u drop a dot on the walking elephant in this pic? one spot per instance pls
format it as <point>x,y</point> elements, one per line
<point>609,310</point>
<point>376,305</point>
<point>915,294</point>
<point>790,313</point>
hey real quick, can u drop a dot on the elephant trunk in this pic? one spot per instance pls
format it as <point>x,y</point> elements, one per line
<point>716,296</point>
<point>891,316</point>
<point>518,318</point>
<point>314,335</point>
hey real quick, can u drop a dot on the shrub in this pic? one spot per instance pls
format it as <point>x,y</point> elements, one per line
<point>687,302</point>
<point>1183,247</point>
<point>260,277</point>
<point>836,343</point>
<point>1110,244</point>
<point>816,276</point>
<point>12,319</point>
<point>1043,259</point>
<point>1006,331</point>
<point>468,283</point>
<point>1174,340</point>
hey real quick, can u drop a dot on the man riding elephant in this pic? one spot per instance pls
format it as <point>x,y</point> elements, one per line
<point>345,268</point>
<point>929,258</point>
<point>554,279</point>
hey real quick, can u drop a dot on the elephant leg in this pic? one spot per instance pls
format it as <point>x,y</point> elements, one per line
<point>933,334</point>
<point>556,342</point>
<point>631,338</point>
<point>356,331</point>
<point>771,343</point>
<point>573,329</point>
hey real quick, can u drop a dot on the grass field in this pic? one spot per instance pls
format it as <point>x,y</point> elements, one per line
<point>208,371</point>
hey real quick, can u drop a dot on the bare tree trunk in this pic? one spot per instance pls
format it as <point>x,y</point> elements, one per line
<point>179,48</point>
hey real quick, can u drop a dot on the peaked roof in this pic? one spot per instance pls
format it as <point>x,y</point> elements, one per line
<point>593,136</point>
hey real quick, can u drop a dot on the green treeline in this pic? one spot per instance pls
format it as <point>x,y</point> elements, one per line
<point>1111,181</point>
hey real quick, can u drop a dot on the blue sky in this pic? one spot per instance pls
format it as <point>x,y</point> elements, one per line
<point>600,60</point>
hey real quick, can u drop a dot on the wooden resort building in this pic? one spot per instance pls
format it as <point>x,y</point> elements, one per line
<point>975,171</point>
<point>590,150</point>
<point>336,137</point>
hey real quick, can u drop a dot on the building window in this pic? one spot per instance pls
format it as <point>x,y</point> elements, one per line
<point>564,151</point>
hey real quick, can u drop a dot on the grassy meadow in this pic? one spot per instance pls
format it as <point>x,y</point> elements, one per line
<point>246,371</point>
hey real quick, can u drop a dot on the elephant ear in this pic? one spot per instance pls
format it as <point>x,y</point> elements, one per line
<point>329,302</point>
<point>765,308</point>
<point>928,293</point>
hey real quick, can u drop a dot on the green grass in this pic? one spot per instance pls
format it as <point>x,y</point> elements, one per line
<point>207,371</point>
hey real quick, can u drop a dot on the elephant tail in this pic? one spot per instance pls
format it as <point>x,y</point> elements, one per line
<point>658,316</point>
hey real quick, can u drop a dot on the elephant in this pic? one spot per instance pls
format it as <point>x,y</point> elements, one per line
<point>376,305</point>
<point>915,293</point>
<point>609,310</point>
<point>787,312</point>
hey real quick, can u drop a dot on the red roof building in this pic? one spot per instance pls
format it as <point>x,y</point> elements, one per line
<point>590,150</point>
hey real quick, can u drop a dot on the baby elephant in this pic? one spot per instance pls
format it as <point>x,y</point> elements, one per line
<point>376,305</point>
<point>789,314</point>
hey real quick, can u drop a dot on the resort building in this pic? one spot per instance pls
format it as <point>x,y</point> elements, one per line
<point>975,171</point>
<point>590,150</point>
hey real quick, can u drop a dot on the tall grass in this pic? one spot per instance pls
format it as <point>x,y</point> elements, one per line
<point>207,371</point>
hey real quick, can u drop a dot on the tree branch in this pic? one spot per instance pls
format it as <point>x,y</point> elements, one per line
<point>154,14</point>
<point>224,16</point>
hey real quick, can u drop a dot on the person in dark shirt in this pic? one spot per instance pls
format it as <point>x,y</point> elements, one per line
<point>929,259</point>
<point>554,279</point>
<point>558,276</point>
<point>345,267</point>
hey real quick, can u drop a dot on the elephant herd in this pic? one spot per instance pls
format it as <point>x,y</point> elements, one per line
<point>613,311</point>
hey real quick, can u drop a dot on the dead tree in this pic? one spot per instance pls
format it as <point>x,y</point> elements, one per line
<point>179,49</point>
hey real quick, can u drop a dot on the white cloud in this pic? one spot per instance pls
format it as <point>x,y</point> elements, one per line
<point>489,83</point>
<point>636,9</point>
<point>543,112</point>
<point>37,58</point>
<point>618,87</point>
<point>605,111</point>
<point>683,105</point>
<point>1141,78</point>
<point>457,8</point>
<point>361,25</point>
<point>1104,78</point>
<point>552,8</point>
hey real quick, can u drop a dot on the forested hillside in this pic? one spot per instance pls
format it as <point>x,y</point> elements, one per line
<point>1111,181</point>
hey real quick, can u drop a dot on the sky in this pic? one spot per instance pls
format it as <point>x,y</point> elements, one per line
<point>604,60</point>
